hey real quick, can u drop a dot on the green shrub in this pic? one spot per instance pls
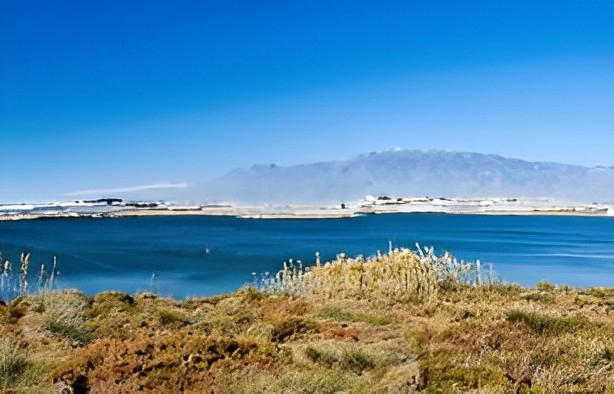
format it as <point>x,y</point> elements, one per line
<point>34,379</point>
<point>546,298</point>
<point>545,323</point>
<point>600,292</point>
<point>251,294</point>
<point>566,288</point>
<point>604,356</point>
<point>168,317</point>
<point>320,357</point>
<point>73,329</point>
<point>357,361</point>
<point>64,315</point>
<point>544,285</point>
<point>12,313</point>
<point>467,378</point>
<point>285,327</point>
<point>111,302</point>
<point>13,361</point>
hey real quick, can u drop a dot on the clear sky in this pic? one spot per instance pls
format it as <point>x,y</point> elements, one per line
<point>115,93</point>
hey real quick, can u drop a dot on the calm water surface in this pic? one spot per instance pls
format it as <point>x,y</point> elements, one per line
<point>202,255</point>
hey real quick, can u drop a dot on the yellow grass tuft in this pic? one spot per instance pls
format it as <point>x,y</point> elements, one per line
<point>399,276</point>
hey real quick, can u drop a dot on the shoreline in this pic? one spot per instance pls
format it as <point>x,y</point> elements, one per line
<point>370,205</point>
<point>251,213</point>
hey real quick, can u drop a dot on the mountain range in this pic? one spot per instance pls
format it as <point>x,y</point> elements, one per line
<point>411,173</point>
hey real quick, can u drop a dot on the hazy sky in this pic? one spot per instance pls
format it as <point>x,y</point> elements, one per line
<point>122,94</point>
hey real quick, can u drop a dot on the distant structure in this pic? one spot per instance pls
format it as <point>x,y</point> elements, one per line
<point>108,201</point>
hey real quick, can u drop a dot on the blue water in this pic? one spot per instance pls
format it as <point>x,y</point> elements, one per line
<point>202,255</point>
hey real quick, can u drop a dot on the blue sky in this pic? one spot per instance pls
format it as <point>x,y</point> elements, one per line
<point>116,94</point>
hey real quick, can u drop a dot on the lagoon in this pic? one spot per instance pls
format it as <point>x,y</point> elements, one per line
<point>203,255</point>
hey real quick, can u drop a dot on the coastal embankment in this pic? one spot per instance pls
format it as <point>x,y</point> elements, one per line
<point>106,208</point>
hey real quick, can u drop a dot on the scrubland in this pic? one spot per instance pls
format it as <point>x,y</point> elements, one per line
<point>400,322</point>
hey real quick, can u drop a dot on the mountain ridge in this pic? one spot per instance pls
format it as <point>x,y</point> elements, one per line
<point>413,173</point>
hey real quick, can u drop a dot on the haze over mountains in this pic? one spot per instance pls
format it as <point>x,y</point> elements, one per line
<point>411,173</point>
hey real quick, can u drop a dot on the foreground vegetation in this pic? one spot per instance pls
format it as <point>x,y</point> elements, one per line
<point>395,323</point>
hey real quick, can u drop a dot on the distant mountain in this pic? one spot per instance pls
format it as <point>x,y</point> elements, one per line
<point>413,173</point>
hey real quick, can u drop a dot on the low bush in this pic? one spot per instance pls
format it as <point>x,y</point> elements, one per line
<point>13,362</point>
<point>285,327</point>
<point>171,317</point>
<point>545,286</point>
<point>357,361</point>
<point>321,357</point>
<point>465,378</point>
<point>542,297</point>
<point>169,363</point>
<point>399,276</point>
<point>64,314</point>
<point>12,313</point>
<point>542,323</point>
<point>352,359</point>
<point>108,301</point>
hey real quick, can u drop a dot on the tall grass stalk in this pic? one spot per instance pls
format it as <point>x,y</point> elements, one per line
<point>15,283</point>
<point>400,275</point>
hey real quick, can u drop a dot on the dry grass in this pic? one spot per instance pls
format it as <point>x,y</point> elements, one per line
<point>345,326</point>
<point>399,276</point>
<point>13,361</point>
<point>337,314</point>
<point>19,373</point>
<point>20,280</point>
